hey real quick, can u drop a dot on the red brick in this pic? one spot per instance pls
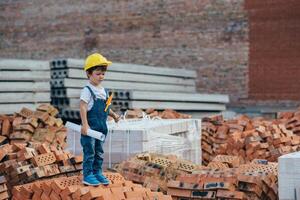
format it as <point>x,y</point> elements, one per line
<point>45,196</point>
<point>69,191</point>
<point>36,196</point>
<point>80,192</point>
<point>45,186</point>
<point>179,192</point>
<point>4,195</point>
<point>44,159</point>
<point>6,127</point>
<point>133,194</point>
<point>54,196</point>
<point>118,192</point>
<point>43,148</point>
<point>230,194</point>
<point>92,193</point>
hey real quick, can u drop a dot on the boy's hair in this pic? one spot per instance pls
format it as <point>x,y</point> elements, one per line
<point>102,68</point>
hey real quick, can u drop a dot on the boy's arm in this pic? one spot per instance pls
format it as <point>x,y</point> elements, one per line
<point>114,115</point>
<point>83,114</point>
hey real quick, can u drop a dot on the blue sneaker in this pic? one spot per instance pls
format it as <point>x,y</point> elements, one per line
<point>90,180</point>
<point>102,179</point>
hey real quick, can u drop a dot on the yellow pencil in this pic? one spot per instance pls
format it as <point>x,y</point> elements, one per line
<point>108,102</point>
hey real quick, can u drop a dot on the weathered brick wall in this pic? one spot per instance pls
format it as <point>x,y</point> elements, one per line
<point>274,56</point>
<point>209,36</point>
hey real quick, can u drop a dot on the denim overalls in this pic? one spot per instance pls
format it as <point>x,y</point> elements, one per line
<point>93,148</point>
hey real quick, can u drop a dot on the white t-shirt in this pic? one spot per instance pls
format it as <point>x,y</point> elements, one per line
<point>86,95</point>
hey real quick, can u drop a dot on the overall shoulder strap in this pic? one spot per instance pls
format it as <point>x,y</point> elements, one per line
<point>107,93</point>
<point>91,91</point>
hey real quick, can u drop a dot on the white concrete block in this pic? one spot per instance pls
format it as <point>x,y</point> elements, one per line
<point>289,176</point>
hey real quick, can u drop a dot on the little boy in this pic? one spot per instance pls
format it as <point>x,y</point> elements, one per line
<point>93,115</point>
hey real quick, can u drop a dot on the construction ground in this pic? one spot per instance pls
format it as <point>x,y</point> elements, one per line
<point>207,91</point>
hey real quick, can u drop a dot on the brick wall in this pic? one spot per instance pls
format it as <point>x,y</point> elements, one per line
<point>274,55</point>
<point>209,36</point>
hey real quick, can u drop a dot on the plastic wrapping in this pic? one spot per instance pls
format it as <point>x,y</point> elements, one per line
<point>180,137</point>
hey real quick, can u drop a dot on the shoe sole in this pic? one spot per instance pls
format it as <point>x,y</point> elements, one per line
<point>86,183</point>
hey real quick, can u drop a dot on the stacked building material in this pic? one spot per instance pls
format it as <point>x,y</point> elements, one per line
<point>133,86</point>
<point>38,125</point>
<point>71,188</point>
<point>26,162</point>
<point>226,178</point>
<point>289,176</point>
<point>251,181</point>
<point>155,170</point>
<point>23,83</point>
<point>129,137</point>
<point>4,193</point>
<point>152,113</point>
<point>250,138</point>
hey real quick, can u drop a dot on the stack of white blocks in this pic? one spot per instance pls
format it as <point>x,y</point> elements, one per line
<point>179,137</point>
<point>289,176</point>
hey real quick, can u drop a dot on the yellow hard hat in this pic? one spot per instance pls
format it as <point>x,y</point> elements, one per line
<point>95,59</point>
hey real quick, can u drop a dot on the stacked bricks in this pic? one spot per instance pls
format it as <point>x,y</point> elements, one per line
<point>250,181</point>
<point>152,113</point>
<point>72,188</point>
<point>250,138</point>
<point>154,170</point>
<point>27,162</point>
<point>226,177</point>
<point>4,193</point>
<point>38,126</point>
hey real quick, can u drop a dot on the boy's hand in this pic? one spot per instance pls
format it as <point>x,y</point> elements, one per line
<point>84,129</point>
<point>117,118</point>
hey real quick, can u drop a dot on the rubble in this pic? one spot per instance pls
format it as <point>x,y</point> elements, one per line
<point>72,188</point>
<point>239,157</point>
<point>250,139</point>
<point>27,125</point>
<point>27,162</point>
<point>182,179</point>
<point>152,113</point>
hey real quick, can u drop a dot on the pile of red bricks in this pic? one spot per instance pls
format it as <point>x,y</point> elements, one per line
<point>71,188</point>
<point>26,162</point>
<point>4,193</point>
<point>152,113</point>
<point>153,170</point>
<point>251,138</point>
<point>250,181</point>
<point>224,178</point>
<point>28,125</point>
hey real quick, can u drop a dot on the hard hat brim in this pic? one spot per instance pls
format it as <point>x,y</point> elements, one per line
<point>101,64</point>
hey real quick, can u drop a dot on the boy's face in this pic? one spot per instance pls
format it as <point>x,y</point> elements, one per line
<point>97,76</point>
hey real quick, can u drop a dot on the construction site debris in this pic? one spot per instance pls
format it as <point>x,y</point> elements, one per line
<point>224,178</point>
<point>27,125</point>
<point>152,113</point>
<point>250,139</point>
<point>72,188</point>
<point>26,162</point>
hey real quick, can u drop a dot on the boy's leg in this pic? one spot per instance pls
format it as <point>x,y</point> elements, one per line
<point>88,146</point>
<point>97,167</point>
<point>99,155</point>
